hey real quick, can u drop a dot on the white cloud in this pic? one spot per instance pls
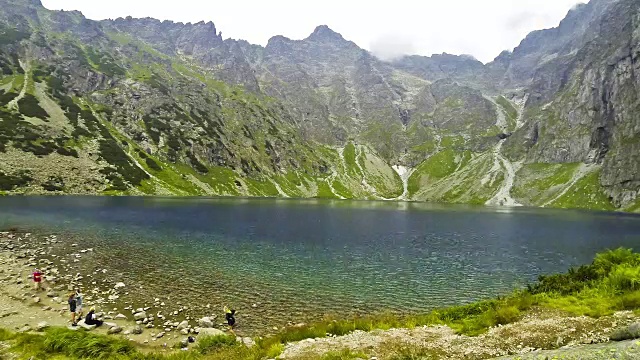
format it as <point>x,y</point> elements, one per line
<point>390,47</point>
<point>481,28</point>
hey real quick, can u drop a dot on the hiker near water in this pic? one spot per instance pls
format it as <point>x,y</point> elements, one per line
<point>37,279</point>
<point>229,315</point>
<point>92,318</point>
<point>79,304</point>
<point>72,308</point>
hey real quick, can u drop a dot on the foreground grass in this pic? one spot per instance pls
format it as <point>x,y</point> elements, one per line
<point>610,283</point>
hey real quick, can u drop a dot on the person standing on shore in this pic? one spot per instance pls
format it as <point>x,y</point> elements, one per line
<point>37,279</point>
<point>72,308</point>
<point>229,315</point>
<point>79,312</point>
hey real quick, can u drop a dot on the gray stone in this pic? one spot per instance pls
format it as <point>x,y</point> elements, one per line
<point>42,326</point>
<point>121,317</point>
<point>626,333</point>
<point>209,332</point>
<point>140,315</point>
<point>114,330</point>
<point>137,330</point>
<point>85,326</point>
<point>182,325</point>
<point>205,322</point>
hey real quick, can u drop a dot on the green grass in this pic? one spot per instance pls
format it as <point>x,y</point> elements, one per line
<point>586,193</point>
<point>342,190</point>
<point>261,188</point>
<point>451,141</point>
<point>211,344</point>
<point>436,167</point>
<point>350,161</point>
<point>324,191</point>
<point>539,182</point>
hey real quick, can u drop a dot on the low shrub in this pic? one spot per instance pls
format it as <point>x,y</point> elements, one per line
<point>209,344</point>
<point>30,107</point>
<point>10,182</point>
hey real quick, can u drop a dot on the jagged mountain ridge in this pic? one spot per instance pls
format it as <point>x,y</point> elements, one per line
<point>445,118</point>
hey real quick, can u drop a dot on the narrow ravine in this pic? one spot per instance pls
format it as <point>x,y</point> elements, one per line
<point>364,182</point>
<point>280,191</point>
<point>405,173</point>
<point>521,104</point>
<point>503,196</point>
<point>501,119</point>
<point>330,181</point>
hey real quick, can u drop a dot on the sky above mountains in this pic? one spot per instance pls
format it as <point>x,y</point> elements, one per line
<point>387,28</point>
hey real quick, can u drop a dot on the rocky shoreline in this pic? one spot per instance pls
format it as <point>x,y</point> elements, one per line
<point>530,336</point>
<point>27,309</point>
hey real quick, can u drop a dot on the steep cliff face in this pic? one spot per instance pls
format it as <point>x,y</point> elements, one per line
<point>144,106</point>
<point>583,106</point>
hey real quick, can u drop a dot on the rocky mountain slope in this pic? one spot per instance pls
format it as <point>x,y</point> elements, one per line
<point>140,106</point>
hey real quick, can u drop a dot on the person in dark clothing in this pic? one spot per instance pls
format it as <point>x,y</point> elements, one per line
<point>72,308</point>
<point>229,315</point>
<point>92,319</point>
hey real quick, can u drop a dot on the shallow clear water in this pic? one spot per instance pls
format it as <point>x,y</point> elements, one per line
<point>299,259</point>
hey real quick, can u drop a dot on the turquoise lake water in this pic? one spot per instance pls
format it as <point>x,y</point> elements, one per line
<point>298,260</point>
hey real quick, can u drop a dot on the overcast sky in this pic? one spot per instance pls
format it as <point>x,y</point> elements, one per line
<point>482,28</point>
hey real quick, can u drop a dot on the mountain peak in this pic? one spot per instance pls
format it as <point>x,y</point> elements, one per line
<point>323,32</point>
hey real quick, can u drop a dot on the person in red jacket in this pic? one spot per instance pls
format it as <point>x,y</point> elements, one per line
<point>37,278</point>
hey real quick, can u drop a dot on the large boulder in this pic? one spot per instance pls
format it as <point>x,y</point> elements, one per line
<point>626,333</point>
<point>85,326</point>
<point>140,315</point>
<point>205,322</point>
<point>210,332</point>
<point>114,330</point>
<point>42,326</point>
<point>183,325</point>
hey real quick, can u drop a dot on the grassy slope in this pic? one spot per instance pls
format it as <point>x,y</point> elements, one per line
<point>585,194</point>
<point>455,176</point>
<point>609,284</point>
<point>538,183</point>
